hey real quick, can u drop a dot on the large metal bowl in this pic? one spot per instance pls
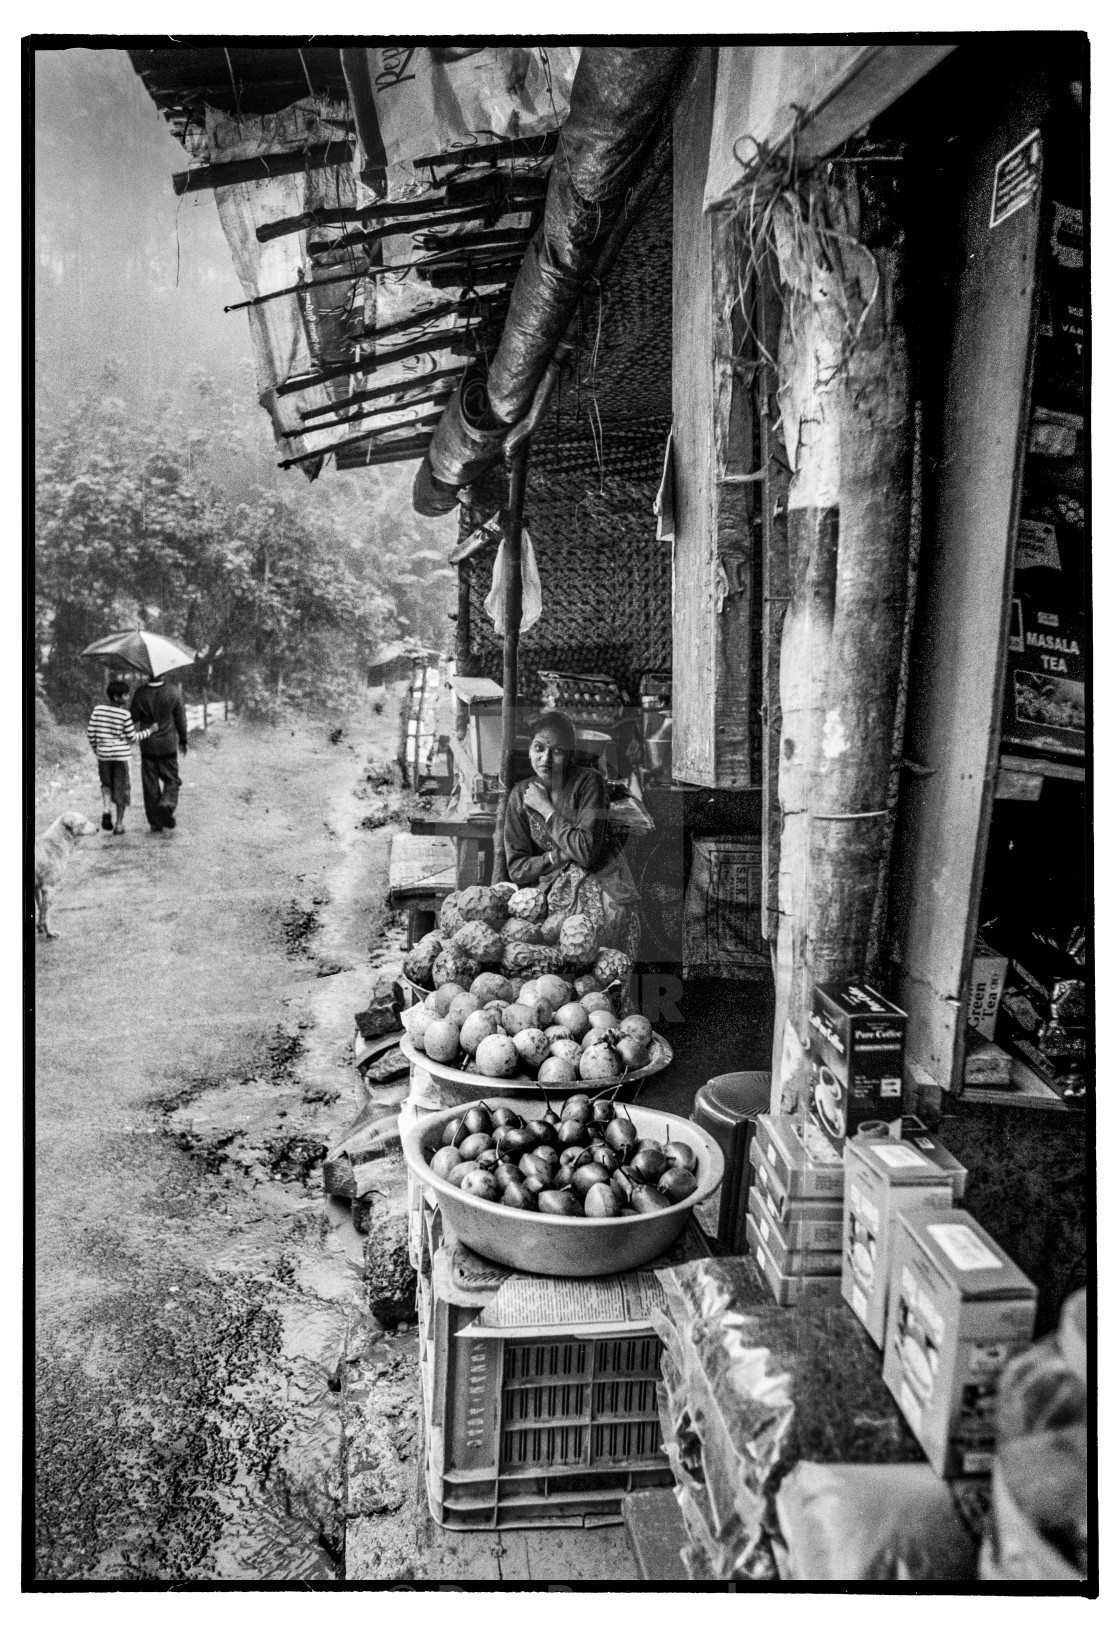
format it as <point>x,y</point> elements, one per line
<point>575,1247</point>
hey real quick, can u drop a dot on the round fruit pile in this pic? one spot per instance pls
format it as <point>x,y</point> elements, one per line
<point>510,930</point>
<point>545,1030</point>
<point>587,1161</point>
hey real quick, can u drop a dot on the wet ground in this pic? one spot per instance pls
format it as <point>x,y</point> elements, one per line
<point>193,1033</point>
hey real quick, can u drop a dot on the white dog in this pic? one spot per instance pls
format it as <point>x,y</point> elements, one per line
<point>52,852</point>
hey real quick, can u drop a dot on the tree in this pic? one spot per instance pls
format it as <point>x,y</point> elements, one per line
<point>287,592</point>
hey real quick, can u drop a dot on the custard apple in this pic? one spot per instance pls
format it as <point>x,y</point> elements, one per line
<point>454,967</point>
<point>479,941</point>
<point>578,941</point>
<point>504,890</point>
<point>611,965</point>
<point>550,929</point>
<point>420,961</point>
<point>451,919</point>
<point>530,904</point>
<point>530,961</point>
<point>517,932</point>
<point>478,904</point>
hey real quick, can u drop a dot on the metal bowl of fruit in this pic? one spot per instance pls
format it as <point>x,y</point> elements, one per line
<point>595,1187</point>
<point>548,1038</point>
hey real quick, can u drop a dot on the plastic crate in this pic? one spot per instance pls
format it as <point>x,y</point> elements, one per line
<point>532,1432</point>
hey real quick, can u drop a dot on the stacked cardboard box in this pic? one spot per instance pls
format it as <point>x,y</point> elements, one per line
<point>795,1209</point>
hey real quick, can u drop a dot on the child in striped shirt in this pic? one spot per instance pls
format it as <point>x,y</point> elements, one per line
<point>111,734</point>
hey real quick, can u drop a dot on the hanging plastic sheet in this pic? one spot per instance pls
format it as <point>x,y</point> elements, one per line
<point>531,600</point>
<point>412,102</point>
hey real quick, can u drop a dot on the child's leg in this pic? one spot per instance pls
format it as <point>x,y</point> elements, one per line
<point>120,808</point>
<point>106,796</point>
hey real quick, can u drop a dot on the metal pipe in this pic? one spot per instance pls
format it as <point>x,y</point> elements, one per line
<point>518,468</point>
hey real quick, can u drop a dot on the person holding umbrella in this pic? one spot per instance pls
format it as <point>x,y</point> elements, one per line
<point>158,714</point>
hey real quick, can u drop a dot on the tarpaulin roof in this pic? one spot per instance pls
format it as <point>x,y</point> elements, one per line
<point>371,274</point>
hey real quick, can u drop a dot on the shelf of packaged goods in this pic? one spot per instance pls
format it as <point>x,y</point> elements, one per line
<point>1021,778</point>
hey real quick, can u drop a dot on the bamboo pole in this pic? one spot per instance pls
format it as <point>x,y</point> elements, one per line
<point>377,392</point>
<point>518,469</point>
<point>463,643</point>
<point>320,157</point>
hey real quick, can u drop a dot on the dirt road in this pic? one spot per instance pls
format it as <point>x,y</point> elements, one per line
<point>193,1032</point>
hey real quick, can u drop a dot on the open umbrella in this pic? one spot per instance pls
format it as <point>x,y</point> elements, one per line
<point>148,653</point>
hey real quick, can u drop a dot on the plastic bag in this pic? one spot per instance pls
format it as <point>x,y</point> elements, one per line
<point>1040,1497</point>
<point>872,1522</point>
<point>531,600</point>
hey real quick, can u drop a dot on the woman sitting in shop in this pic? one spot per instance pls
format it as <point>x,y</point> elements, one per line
<point>558,838</point>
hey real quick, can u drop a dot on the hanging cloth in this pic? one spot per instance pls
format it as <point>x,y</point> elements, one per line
<point>531,601</point>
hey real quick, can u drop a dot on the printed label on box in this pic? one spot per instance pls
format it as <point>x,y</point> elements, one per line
<point>962,1247</point>
<point>898,1155</point>
<point>890,1086</point>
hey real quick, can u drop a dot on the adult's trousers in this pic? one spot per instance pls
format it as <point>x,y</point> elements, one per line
<point>159,777</point>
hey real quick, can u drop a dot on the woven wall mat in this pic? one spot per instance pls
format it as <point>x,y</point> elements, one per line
<point>633,449</point>
<point>624,358</point>
<point>605,580</point>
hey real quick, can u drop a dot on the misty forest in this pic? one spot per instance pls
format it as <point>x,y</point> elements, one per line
<point>158,500</point>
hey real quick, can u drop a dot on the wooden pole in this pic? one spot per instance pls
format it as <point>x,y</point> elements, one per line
<point>512,617</point>
<point>463,643</point>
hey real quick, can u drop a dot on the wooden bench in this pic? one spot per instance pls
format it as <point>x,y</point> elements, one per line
<point>421,875</point>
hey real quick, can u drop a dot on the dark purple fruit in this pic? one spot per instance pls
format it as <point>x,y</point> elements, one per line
<point>601,1201</point>
<point>480,1184</point>
<point>551,1117</point>
<point>586,1177</point>
<point>515,1141</point>
<point>545,1152</point>
<point>648,1164</point>
<point>558,1203</point>
<point>576,1108</point>
<point>471,1147</point>
<point>543,1132</point>
<point>602,1111</point>
<point>679,1154</point>
<point>603,1156</point>
<point>444,1161</point>
<point>677,1184</point>
<point>506,1172</point>
<point>622,1184</point>
<point>645,1198</point>
<point>505,1117</point>
<point>478,1119</point>
<point>517,1196</point>
<point>534,1185</point>
<point>488,1159</point>
<point>533,1166</point>
<point>463,1170</point>
<point>621,1135</point>
<point>454,1133</point>
<point>570,1132</point>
